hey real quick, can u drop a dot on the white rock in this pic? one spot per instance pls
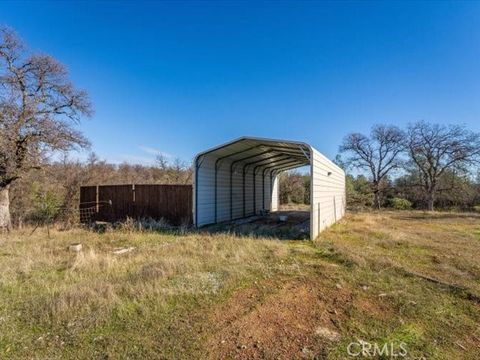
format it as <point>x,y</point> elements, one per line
<point>75,247</point>
<point>327,333</point>
<point>120,251</point>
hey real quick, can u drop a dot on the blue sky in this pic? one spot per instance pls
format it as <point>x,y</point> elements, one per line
<point>179,77</point>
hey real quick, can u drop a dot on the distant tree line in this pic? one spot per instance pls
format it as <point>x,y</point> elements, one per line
<point>423,166</point>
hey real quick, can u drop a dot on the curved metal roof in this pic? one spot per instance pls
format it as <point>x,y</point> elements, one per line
<point>261,153</point>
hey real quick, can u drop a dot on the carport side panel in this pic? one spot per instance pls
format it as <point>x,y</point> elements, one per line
<point>228,190</point>
<point>248,192</point>
<point>237,193</point>
<point>204,194</point>
<point>327,193</point>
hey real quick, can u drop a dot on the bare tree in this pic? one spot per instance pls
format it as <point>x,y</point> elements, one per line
<point>174,172</point>
<point>181,172</point>
<point>161,162</point>
<point>39,107</point>
<point>378,154</point>
<point>433,149</point>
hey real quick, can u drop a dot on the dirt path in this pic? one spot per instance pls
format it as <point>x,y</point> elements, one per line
<point>297,319</point>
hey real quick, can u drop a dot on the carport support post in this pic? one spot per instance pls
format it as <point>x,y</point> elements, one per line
<point>263,188</point>
<point>216,181</point>
<point>271,189</point>
<point>243,188</point>
<point>254,192</point>
<point>197,167</point>
<point>231,192</point>
<point>254,189</point>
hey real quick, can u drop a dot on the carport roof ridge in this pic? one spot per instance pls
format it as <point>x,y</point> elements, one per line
<point>259,150</point>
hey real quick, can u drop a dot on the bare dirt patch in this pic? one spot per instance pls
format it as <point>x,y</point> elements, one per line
<point>297,319</point>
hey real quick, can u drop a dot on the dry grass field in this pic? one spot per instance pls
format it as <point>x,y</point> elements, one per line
<point>381,278</point>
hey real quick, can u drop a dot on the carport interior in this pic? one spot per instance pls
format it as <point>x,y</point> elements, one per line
<point>240,179</point>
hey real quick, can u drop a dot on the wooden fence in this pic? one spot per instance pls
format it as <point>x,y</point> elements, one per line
<point>117,202</point>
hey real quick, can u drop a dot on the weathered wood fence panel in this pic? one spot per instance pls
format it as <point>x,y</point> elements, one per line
<point>122,202</point>
<point>117,202</point>
<point>88,196</point>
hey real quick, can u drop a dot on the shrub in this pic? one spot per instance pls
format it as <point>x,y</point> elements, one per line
<point>400,204</point>
<point>45,204</point>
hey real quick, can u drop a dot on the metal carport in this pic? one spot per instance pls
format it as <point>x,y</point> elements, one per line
<point>240,179</point>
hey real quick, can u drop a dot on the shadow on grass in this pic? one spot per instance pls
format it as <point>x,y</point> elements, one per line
<point>436,216</point>
<point>295,226</point>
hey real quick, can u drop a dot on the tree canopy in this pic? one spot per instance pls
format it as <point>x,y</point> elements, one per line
<point>39,108</point>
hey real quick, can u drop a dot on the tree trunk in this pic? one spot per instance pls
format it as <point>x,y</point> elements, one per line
<point>430,200</point>
<point>376,196</point>
<point>5,221</point>
<point>376,200</point>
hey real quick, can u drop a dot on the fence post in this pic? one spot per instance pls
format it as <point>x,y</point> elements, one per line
<point>133,210</point>
<point>97,205</point>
